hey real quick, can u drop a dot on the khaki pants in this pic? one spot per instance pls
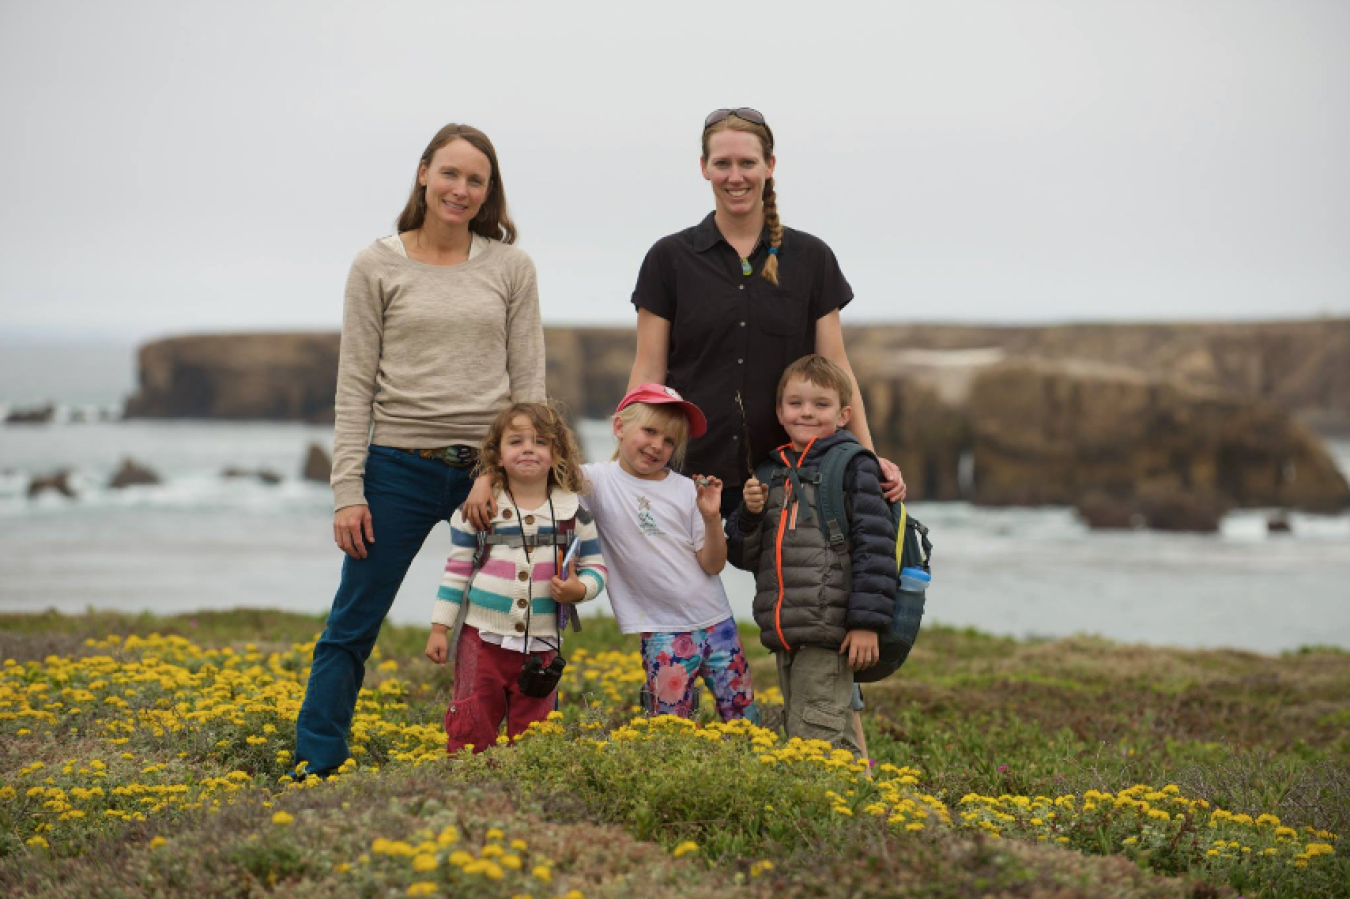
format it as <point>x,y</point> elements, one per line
<point>817,690</point>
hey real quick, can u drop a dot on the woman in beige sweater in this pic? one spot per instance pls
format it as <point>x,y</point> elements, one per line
<point>440,331</point>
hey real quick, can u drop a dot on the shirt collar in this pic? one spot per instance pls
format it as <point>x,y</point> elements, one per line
<point>706,236</point>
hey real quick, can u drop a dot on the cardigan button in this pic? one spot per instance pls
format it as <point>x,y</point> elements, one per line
<point>523,576</point>
<point>529,519</point>
<point>506,513</point>
<point>520,627</point>
<point>520,604</point>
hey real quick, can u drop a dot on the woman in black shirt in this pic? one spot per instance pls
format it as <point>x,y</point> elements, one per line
<point>724,306</point>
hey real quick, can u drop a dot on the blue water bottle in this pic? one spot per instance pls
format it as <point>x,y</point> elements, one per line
<point>914,580</point>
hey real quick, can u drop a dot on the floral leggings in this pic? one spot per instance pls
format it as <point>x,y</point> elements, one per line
<point>675,661</point>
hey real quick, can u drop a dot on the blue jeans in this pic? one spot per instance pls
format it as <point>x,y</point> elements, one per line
<point>407,495</point>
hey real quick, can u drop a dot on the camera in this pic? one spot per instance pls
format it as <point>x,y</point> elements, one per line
<point>538,680</point>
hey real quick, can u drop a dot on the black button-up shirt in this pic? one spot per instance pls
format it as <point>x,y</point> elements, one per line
<point>731,332</point>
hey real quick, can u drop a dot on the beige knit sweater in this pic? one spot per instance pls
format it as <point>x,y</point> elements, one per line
<point>431,353</point>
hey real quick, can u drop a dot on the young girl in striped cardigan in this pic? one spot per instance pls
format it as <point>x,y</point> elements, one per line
<point>515,592</point>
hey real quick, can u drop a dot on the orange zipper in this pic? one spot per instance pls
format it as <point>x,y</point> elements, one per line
<point>778,540</point>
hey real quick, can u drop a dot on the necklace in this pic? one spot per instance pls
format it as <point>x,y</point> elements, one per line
<point>745,267</point>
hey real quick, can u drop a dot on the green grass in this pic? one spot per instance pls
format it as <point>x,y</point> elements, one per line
<point>975,713</point>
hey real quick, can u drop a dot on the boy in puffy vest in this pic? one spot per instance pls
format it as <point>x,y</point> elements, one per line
<point>819,607</point>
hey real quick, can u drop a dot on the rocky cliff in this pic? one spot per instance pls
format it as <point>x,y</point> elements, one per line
<point>1020,415</point>
<point>1025,431</point>
<point>238,376</point>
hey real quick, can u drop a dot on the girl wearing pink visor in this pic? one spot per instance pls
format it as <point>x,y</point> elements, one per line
<point>661,535</point>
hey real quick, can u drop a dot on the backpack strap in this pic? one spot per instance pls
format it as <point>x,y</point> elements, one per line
<point>767,471</point>
<point>830,496</point>
<point>519,540</point>
<point>479,557</point>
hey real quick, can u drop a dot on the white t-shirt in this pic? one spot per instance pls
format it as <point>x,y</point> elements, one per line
<point>650,532</point>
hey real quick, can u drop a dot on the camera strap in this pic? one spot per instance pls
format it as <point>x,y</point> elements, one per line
<point>529,563</point>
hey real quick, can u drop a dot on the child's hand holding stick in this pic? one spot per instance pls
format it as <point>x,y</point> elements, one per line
<point>755,495</point>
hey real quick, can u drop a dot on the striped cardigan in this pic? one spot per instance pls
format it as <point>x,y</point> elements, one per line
<point>500,590</point>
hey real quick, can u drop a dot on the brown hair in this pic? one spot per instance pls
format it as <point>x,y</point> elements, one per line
<point>668,417</point>
<point>492,219</point>
<point>547,423</point>
<point>816,369</point>
<point>736,123</point>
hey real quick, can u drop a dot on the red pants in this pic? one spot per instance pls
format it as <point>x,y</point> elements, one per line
<point>487,691</point>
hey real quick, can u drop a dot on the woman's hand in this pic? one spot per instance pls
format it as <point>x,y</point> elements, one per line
<point>709,497</point>
<point>438,645</point>
<point>481,505</point>
<point>755,495</point>
<point>350,525</point>
<point>571,590</point>
<point>892,484</point>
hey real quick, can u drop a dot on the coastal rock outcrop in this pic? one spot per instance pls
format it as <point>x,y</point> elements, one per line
<point>36,415</point>
<point>266,476</point>
<point>58,481</point>
<point>132,474</point>
<point>998,415</point>
<point>1018,431</point>
<point>238,376</point>
<point>317,467</point>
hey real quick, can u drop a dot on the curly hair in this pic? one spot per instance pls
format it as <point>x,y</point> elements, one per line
<point>547,423</point>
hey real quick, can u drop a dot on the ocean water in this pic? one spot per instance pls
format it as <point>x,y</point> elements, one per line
<point>201,541</point>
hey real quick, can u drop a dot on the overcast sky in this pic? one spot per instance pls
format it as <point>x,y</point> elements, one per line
<point>183,166</point>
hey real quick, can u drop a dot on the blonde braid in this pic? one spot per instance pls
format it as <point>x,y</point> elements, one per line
<point>770,270</point>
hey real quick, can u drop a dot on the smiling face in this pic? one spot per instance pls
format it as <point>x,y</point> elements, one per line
<point>456,183</point>
<point>646,446</point>
<point>527,456</point>
<point>736,168</point>
<point>808,412</point>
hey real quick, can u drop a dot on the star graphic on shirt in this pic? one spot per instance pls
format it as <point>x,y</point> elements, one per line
<point>643,502</point>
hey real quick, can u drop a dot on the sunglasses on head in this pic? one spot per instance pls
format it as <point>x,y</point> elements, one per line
<point>753,116</point>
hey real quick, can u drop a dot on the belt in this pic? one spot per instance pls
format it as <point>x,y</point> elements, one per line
<point>457,455</point>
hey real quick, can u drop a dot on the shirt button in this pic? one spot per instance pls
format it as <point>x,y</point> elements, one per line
<point>520,627</point>
<point>520,604</point>
<point>740,361</point>
<point>741,287</point>
<point>529,519</point>
<point>523,576</point>
<point>742,324</point>
<point>734,438</point>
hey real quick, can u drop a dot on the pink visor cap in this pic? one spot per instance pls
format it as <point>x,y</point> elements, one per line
<point>656,394</point>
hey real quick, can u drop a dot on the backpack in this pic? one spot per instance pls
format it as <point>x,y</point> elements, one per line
<point>912,551</point>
